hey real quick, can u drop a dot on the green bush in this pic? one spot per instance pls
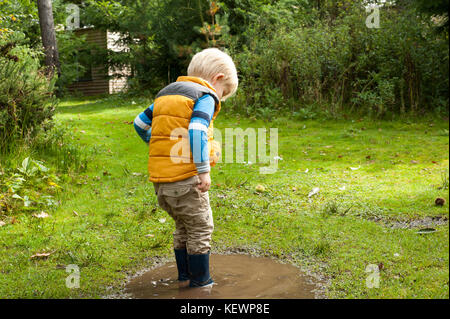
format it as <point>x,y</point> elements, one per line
<point>26,103</point>
<point>335,62</point>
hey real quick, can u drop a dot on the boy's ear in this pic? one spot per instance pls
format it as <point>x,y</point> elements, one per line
<point>218,77</point>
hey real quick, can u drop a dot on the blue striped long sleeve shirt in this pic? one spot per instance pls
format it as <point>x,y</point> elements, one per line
<point>198,128</point>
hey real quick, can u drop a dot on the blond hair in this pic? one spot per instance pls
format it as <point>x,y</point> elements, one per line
<point>210,62</point>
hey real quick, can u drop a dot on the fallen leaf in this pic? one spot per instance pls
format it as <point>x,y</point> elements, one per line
<point>149,235</point>
<point>2,223</point>
<point>426,231</point>
<point>355,168</point>
<point>75,213</point>
<point>54,184</point>
<point>315,191</point>
<point>439,201</point>
<point>41,215</point>
<point>414,162</point>
<point>41,255</point>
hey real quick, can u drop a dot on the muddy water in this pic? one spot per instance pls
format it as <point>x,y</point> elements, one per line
<point>235,276</point>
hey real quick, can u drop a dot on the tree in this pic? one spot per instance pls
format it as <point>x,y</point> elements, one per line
<point>48,36</point>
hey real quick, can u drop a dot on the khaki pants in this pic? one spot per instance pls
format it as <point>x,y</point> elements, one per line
<point>190,209</point>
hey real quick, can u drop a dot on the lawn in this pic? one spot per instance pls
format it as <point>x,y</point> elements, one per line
<point>377,181</point>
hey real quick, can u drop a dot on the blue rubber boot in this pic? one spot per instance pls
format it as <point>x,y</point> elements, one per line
<point>199,270</point>
<point>181,258</point>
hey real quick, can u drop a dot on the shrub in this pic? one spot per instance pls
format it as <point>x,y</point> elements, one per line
<point>26,102</point>
<point>338,63</point>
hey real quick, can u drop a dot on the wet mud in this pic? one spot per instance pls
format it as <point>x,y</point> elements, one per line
<point>235,276</point>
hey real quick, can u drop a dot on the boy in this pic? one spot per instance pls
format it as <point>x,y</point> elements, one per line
<point>187,108</point>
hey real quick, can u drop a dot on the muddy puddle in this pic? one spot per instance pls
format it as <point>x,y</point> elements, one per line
<point>235,276</point>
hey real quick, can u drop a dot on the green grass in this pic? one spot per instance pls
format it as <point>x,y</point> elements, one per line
<point>336,233</point>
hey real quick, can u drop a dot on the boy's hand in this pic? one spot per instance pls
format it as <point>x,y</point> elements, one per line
<point>205,182</point>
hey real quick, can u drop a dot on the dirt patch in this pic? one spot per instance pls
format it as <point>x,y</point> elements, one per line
<point>235,276</point>
<point>426,222</point>
<point>238,273</point>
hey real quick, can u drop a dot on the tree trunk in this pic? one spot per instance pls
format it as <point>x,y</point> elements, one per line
<point>48,36</point>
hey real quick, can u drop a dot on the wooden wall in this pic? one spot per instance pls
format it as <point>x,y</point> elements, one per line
<point>101,82</point>
<point>118,77</point>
